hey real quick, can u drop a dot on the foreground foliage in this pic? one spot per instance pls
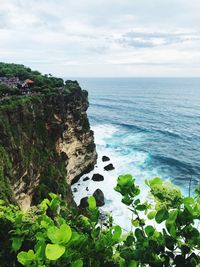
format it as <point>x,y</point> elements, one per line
<point>164,231</point>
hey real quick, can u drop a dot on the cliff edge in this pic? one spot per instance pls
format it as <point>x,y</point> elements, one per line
<point>45,145</point>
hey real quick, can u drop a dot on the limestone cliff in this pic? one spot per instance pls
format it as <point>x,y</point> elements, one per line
<point>45,144</point>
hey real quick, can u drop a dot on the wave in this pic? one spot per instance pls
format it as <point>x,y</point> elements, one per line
<point>165,132</point>
<point>183,168</point>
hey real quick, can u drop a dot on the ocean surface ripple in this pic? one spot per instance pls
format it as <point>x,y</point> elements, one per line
<point>148,126</point>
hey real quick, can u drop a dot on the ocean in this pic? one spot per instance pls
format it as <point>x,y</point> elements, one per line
<point>149,127</point>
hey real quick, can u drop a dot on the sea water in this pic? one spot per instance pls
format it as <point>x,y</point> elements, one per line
<point>149,127</point>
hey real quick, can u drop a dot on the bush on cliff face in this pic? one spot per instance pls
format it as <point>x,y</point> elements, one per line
<point>54,235</point>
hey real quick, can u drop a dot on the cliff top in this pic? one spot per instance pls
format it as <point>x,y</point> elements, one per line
<point>19,80</point>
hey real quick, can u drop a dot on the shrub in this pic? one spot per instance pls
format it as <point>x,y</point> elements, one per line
<point>55,235</point>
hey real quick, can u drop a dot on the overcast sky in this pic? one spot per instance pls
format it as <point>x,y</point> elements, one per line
<point>102,37</point>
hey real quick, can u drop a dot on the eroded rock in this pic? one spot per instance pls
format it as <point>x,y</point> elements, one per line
<point>109,167</point>
<point>97,177</point>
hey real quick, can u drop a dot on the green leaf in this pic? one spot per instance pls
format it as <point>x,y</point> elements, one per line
<point>91,202</point>
<point>125,180</point>
<point>59,236</point>
<point>154,181</point>
<point>149,230</point>
<point>141,207</point>
<point>126,200</point>
<point>171,228</point>
<point>16,243</point>
<point>135,222</point>
<point>77,263</point>
<point>133,264</point>
<point>188,200</point>
<point>161,215</point>
<point>117,233</point>
<point>139,234</point>
<point>54,251</point>
<point>151,215</point>
<point>26,258</point>
<point>173,215</point>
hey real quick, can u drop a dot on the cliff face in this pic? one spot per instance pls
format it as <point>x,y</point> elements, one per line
<point>45,145</point>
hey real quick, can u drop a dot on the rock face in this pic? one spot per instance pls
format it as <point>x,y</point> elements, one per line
<point>45,145</point>
<point>97,177</point>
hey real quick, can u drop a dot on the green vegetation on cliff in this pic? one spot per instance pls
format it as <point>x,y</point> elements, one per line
<point>53,234</point>
<point>32,121</point>
<point>12,77</point>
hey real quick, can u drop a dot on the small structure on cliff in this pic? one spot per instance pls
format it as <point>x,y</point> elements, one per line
<point>27,83</point>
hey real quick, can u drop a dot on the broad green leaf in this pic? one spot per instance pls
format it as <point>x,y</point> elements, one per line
<point>59,235</point>
<point>117,233</point>
<point>188,201</point>
<point>141,207</point>
<point>171,228</point>
<point>91,202</point>
<point>154,181</point>
<point>125,180</point>
<point>139,234</point>
<point>151,215</point>
<point>54,251</point>
<point>149,230</point>
<point>16,243</point>
<point>126,200</point>
<point>40,250</point>
<point>135,222</point>
<point>161,215</point>
<point>26,258</point>
<point>77,263</point>
<point>133,264</point>
<point>173,215</point>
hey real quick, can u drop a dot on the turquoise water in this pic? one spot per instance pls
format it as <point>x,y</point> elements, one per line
<point>148,127</point>
<point>154,122</point>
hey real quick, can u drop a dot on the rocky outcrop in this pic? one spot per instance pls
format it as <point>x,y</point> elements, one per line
<point>45,145</point>
<point>97,177</point>
<point>109,167</point>
<point>99,197</point>
<point>105,158</point>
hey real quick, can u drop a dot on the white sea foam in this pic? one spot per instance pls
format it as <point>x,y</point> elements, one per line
<point>131,162</point>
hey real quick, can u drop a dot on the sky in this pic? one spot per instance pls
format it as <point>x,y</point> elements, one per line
<point>102,38</point>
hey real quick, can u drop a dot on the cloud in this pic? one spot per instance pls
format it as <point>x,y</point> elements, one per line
<point>154,39</point>
<point>102,38</point>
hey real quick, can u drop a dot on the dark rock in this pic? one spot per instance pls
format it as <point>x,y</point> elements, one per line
<point>109,167</point>
<point>83,203</point>
<point>99,196</point>
<point>75,190</point>
<point>79,184</point>
<point>105,158</point>
<point>97,177</point>
<point>86,178</point>
<point>87,189</point>
<point>64,156</point>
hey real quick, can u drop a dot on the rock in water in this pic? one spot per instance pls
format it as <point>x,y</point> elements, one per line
<point>105,158</point>
<point>109,167</point>
<point>97,177</point>
<point>99,197</point>
<point>86,178</point>
<point>83,203</point>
